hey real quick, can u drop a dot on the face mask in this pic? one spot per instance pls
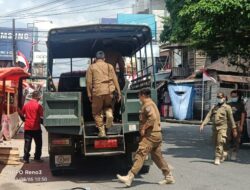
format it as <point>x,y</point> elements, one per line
<point>234,99</point>
<point>220,101</point>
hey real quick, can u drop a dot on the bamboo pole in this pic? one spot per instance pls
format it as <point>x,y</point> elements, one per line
<point>8,103</point>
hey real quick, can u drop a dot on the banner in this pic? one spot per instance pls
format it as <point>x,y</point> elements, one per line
<point>139,19</point>
<point>23,38</point>
<point>182,96</point>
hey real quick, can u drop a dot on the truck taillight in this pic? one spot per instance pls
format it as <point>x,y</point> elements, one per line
<point>61,141</point>
<point>110,143</point>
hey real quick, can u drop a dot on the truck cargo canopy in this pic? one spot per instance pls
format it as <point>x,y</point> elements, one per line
<point>85,41</point>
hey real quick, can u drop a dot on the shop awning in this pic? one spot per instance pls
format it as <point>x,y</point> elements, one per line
<point>12,73</point>
<point>234,79</point>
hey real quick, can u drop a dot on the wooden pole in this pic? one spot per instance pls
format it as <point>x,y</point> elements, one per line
<point>8,103</point>
<point>3,100</point>
<point>202,97</point>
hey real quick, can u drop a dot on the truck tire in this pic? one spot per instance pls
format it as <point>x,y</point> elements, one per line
<point>56,172</point>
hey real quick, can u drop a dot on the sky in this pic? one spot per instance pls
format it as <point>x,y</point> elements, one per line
<point>47,14</point>
<point>60,12</point>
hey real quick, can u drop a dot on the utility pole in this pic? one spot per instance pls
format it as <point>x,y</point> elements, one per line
<point>13,43</point>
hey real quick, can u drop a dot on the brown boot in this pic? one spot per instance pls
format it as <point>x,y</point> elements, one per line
<point>127,180</point>
<point>217,161</point>
<point>101,132</point>
<point>169,179</point>
<point>224,156</point>
<point>109,118</point>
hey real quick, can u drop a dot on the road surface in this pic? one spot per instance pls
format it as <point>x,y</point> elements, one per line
<point>189,152</point>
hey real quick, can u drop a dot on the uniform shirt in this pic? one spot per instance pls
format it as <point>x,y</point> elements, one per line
<point>221,117</point>
<point>32,111</point>
<point>114,57</point>
<point>101,79</point>
<point>150,116</point>
<point>238,109</point>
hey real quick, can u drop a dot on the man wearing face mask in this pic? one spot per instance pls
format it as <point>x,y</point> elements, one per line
<point>239,115</point>
<point>222,117</point>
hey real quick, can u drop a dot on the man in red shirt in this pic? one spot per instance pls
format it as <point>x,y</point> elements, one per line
<point>33,112</point>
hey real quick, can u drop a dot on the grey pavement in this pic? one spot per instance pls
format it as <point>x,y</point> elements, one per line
<point>189,152</point>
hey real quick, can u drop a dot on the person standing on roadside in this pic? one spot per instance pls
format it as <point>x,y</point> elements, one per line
<point>33,114</point>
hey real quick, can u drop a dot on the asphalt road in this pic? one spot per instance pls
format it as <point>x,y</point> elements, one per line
<point>188,151</point>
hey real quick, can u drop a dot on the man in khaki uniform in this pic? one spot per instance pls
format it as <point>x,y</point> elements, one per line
<point>114,57</point>
<point>151,141</point>
<point>101,83</point>
<point>222,117</point>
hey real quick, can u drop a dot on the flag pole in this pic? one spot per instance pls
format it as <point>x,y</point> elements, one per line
<point>202,96</point>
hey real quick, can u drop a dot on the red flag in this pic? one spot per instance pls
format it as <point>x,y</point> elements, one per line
<point>22,61</point>
<point>206,77</point>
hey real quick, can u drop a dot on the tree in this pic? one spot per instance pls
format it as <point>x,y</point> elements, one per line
<point>220,27</point>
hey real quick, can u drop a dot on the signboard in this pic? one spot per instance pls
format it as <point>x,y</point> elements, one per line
<point>139,19</point>
<point>155,48</point>
<point>23,43</point>
<point>40,57</point>
<point>108,21</point>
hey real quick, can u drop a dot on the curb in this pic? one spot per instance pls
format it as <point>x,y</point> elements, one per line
<point>193,122</point>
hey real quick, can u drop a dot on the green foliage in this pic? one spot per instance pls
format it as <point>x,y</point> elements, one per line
<point>220,27</point>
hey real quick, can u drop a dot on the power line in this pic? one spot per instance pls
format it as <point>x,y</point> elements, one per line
<point>86,7</point>
<point>70,12</point>
<point>41,5</point>
<point>102,3</point>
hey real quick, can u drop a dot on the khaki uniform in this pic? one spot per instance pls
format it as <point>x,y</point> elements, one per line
<point>151,142</point>
<point>237,109</point>
<point>101,82</point>
<point>221,117</point>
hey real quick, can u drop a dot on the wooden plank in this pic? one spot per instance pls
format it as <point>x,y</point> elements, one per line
<point>9,151</point>
<point>10,157</point>
<point>10,162</point>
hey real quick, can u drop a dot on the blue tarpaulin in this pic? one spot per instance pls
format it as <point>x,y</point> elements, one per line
<point>182,96</point>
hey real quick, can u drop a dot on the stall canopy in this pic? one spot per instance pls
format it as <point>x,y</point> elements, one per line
<point>12,73</point>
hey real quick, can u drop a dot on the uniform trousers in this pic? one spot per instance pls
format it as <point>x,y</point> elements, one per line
<point>145,148</point>
<point>100,104</point>
<point>219,138</point>
<point>28,136</point>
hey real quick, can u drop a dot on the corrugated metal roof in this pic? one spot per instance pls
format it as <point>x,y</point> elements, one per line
<point>224,66</point>
<point>234,79</point>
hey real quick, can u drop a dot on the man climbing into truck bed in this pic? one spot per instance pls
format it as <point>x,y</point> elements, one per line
<point>101,83</point>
